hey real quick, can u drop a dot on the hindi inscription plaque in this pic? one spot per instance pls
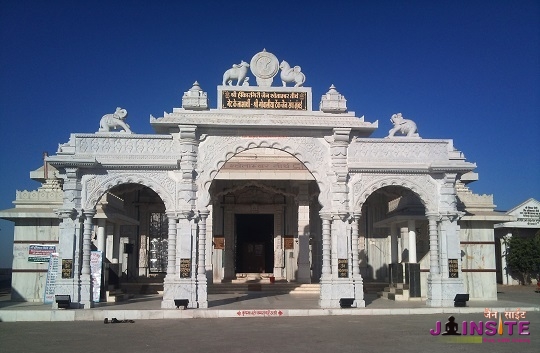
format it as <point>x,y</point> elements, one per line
<point>240,99</point>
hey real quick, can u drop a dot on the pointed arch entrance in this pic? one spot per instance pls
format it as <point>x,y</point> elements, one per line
<point>265,220</point>
<point>130,224</point>
<point>394,234</point>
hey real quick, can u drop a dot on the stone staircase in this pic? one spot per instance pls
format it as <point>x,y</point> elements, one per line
<point>397,292</point>
<point>114,295</point>
<point>277,288</point>
<point>374,287</point>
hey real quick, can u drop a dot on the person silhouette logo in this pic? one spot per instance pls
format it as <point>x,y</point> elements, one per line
<point>451,327</point>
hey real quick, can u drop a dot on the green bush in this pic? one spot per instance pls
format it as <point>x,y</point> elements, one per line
<point>523,256</point>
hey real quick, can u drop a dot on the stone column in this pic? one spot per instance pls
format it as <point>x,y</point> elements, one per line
<point>171,245</point>
<point>326,248</point>
<point>86,276</point>
<point>394,243</point>
<point>434,290</point>
<point>304,268</point>
<point>355,248</point>
<point>412,241</point>
<point>202,290</point>
<point>67,242</point>
<point>209,245</point>
<point>229,253</point>
<point>433,245</point>
<point>182,283</point>
<point>404,244</point>
<point>279,253</point>
<point>100,234</point>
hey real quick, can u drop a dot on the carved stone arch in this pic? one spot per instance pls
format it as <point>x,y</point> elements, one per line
<point>259,185</point>
<point>219,149</point>
<point>96,186</point>
<point>421,185</point>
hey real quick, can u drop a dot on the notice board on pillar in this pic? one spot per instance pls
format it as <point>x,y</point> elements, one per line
<point>67,268</point>
<point>288,243</point>
<point>219,243</point>
<point>50,283</point>
<point>343,268</point>
<point>185,268</point>
<point>96,264</point>
<point>453,271</point>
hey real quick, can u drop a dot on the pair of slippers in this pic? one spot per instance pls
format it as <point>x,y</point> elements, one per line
<point>115,321</point>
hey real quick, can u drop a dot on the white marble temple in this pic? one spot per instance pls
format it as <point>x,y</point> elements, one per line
<point>333,194</point>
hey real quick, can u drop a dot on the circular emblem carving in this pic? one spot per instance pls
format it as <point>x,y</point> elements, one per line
<point>264,65</point>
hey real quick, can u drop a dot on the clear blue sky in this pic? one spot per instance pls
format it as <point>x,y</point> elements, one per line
<point>463,70</point>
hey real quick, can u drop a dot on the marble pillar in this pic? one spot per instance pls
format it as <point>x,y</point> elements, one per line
<point>100,235</point>
<point>404,244</point>
<point>326,265</point>
<point>394,243</point>
<point>412,241</point>
<point>202,286</point>
<point>171,246</point>
<point>304,266</point>
<point>434,292</point>
<point>86,278</point>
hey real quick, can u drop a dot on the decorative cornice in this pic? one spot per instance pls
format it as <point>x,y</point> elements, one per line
<point>62,163</point>
<point>137,165</point>
<point>313,120</point>
<point>387,170</point>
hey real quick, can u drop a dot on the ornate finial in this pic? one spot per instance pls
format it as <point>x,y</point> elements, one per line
<point>333,102</point>
<point>114,121</point>
<point>195,98</point>
<point>405,127</point>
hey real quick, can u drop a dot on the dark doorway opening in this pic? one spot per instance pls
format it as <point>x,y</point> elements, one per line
<point>254,243</point>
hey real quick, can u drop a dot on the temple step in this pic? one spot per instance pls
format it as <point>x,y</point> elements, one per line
<point>278,287</point>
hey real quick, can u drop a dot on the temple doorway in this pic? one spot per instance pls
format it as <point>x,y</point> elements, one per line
<point>254,243</point>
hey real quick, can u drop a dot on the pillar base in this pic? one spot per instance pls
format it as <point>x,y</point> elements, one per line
<point>179,289</point>
<point>202,292</point>
<point>333,290</point>
<point>442,291</point>
<point>85,284</point>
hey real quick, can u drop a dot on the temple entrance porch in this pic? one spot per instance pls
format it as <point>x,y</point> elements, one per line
<point>264,220</point>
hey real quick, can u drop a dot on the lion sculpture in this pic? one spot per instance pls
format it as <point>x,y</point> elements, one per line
<point>404,126</point>
<point>114,121</point>
<point>291,74</point>
<point>238,72</point>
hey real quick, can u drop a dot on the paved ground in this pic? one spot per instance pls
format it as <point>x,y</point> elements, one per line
<point>258,304</point>
<point>276,334</point>
<point>340,331</point>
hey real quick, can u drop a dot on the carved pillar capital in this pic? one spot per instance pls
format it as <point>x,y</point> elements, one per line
<point>89,213</point>
<point>71,172</point>
<point>66,213</point>
<point>326,216</point>
<point>203,214</point>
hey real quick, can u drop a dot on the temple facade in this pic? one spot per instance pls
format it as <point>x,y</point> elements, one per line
<point>261,187</point>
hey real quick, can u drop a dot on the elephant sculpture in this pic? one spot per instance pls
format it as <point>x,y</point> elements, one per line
<point>114,121</point>
<point>291,74</point>
<point>404,126</point>
<point>238,72</point>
